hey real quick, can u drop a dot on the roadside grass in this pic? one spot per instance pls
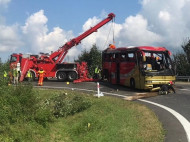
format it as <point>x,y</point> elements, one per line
<point>108,119</point>
<point>48,115</point>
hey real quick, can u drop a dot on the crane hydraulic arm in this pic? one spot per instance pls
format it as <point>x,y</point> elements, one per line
<point>60,54</point>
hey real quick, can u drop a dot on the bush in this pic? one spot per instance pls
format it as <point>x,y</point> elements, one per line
<point>64,105</point>
<point>19,108</point>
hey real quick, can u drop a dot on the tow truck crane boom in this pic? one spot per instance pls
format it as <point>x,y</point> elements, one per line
<point>62,51</point>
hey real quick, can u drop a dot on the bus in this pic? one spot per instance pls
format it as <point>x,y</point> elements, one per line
<point>142,67</point>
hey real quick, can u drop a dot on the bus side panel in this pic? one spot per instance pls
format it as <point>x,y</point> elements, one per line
<point>127,70</point>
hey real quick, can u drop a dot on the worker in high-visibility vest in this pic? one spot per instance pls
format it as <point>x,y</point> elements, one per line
<point>29,75</point>
<point>41,74</point>
<point>5,75</point>
<point>97,72</point>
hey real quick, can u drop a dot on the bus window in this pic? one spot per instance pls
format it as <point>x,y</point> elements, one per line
<point>122,56</point>
<point>131,57</point>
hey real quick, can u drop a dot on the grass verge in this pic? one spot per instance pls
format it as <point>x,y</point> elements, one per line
<point>108,119</point>
<point>33,115</point>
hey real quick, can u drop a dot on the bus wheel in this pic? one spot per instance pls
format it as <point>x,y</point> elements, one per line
<point>72,76</point>
<point>61,76</point>
<point>132,83</point>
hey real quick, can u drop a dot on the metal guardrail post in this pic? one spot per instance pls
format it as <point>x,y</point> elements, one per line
<point>183,78</point>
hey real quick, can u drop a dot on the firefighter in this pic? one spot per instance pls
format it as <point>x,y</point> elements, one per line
<point>41,74</point>
<point>97,72</point>
<point>29,76</point>
<point>112,46</point>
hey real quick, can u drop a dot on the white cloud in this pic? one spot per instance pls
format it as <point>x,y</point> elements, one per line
<point>169,19</point>
<point>103,36</point>
<point>4,2</point>
<point>164,15</point>
<point>37,36</point>
<point>9,39</point>
<point>134,31</point>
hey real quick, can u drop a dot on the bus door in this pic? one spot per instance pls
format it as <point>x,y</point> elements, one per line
<point>139,64</point>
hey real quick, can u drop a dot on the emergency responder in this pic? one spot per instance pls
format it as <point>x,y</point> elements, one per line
<point>41,74</point>
<point>15,76</point>
<point>29,76</point>
<point>97,72</point>
<point>112,46</point>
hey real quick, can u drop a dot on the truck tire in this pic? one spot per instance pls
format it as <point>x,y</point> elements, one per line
<point>72,76</point>
<point>61,76</point>
<point>33,76</point>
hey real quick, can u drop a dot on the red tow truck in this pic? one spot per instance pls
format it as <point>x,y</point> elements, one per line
<point>53,64</point>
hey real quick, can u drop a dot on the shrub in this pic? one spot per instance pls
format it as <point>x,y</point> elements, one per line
<point>64,105</point>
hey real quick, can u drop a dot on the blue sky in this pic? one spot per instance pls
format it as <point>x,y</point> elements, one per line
<point>69,15</point>
<point>33,26</point>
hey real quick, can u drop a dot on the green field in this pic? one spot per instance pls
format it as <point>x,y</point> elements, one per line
<point>39,115</point>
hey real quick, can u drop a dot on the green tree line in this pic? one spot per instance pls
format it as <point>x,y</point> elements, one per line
<point>182,59</point>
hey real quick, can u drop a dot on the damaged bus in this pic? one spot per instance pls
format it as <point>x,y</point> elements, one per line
<point>142,67</point>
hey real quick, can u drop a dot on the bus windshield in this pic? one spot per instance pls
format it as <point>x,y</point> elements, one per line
<point>156,61</point>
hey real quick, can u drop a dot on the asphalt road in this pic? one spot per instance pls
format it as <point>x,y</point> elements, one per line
<point>178,102</point>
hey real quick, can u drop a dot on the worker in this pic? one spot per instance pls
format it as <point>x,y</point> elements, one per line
<point>97,72</point>
<point>5,75</point>
<point>41,74</point>
<point>29,76</point>
<point>15,76</point>
<point>112,46</point>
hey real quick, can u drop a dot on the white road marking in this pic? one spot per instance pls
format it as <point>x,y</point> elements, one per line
<point>184,122</point>
<point>184,89</point>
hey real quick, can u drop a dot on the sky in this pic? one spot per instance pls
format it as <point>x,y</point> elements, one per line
<point>33,26</point>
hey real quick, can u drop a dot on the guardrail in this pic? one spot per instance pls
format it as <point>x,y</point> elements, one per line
<point>183,78</point>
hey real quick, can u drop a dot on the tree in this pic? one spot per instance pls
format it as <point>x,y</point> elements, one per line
<point>182,59</point>
<point>186,49</point>
<point>92,57</point>
<point>182,65</point>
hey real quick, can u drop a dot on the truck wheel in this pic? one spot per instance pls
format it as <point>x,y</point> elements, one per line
<point>33,76</point>
<point>132,83</point>
<point>72,76</point>
<point>61,76</point>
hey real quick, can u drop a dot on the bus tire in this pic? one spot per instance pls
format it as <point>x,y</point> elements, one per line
<point>61,76</point>
<point>132,83</point>
<point>72,76</point>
